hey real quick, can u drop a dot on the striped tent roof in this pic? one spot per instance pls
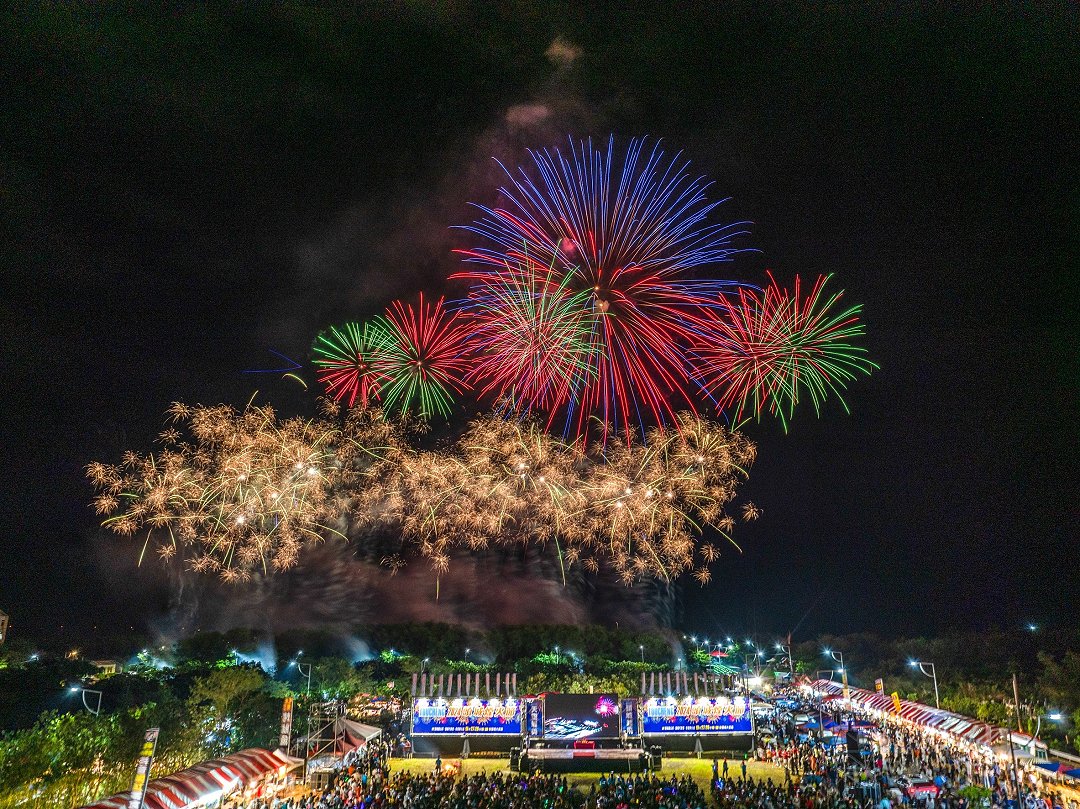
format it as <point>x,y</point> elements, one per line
<point>204,781</point>
<point>964,727</point>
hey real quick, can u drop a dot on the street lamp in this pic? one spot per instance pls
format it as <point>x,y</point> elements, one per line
<point>307,739</point>
<point>1053,717</point>
<point>423,664</point>
<point>300,668</point>
<point>929,670</point>
<point>467,655</point>
<point>791,662</point>
<point>641,648</point>
<point>85,691</point>
<point>747,657</point>
<point>839,658</point>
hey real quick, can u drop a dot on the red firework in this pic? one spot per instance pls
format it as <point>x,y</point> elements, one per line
<point>344,357</point>
<point>421,356</point>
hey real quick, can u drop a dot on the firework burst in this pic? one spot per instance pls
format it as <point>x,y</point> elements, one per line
<point>242,492</point>
<point>532,336</point>
<point>623,233</point>
<point>421,354</point>
<point>344,358</point>
<point>767,350</point>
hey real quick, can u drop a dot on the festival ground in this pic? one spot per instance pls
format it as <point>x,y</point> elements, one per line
<point>698,769</point>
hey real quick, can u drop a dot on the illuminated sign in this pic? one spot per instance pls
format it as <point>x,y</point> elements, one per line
<point>440,717</point>
<point>697,715</point>
<point>631,718</point>
<point>572,717</point>
<point>286,723</point>
<point>142,769</point>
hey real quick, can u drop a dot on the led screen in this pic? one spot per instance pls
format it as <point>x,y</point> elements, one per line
<point>697,715</point>
<point>438,717</point>
<point>569,717</point>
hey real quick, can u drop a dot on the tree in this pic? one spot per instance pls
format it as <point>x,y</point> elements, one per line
<point>218,701</point>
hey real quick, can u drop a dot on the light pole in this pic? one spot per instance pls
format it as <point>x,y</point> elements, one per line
<point>929,670</point>
<point>557,658</point>
<point>95,711</point>
<point>747,657</point>
<point>300,668</point>
<point>780,647</point>
<point>839,658</point>
<point>641,648</point>
<point>467,655</point>
<point>307,739</point>
<point>1053,717</point>
<point>423,664</point>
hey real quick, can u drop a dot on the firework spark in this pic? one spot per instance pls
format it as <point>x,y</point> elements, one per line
<point>246,492</point>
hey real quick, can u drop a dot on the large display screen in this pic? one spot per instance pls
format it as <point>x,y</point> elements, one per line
<point>440,717</point>
<point>569,717</point>
<point>700,715</point>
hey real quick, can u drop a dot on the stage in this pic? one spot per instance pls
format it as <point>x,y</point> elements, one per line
<point>621,760</point>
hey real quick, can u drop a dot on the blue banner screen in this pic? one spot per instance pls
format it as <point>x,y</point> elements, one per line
<point>696,715</point>
<point>440,717</point>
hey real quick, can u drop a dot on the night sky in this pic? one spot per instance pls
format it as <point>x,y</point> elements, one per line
<point>183,191</point>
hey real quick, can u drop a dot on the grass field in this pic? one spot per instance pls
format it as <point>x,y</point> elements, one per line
<point>698,769</point>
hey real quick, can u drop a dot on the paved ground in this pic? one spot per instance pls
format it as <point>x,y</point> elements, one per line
<point>698,769</point>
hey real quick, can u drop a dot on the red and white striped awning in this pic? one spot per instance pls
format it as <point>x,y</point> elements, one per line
<point>206,781</point>
<point>927,716</point>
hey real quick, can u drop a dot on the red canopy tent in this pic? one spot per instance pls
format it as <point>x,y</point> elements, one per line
<point>928,716</point>
<point>203,782</point>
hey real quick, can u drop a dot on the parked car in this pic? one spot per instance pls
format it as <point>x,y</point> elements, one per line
<point>916,788</point>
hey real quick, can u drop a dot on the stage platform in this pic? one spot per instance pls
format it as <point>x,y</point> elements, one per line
<point>584,760</point>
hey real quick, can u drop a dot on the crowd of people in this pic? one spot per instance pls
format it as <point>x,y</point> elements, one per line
<point>813,773</point>
<point>947,773</point>
<point>442,790</point>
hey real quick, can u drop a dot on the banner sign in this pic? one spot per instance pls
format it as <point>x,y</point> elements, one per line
<point>440,717</point>
<point>142,771</point>
<point>536,717</point>
<point>896,701</point>
<point>879,685</point>
<point>700,715</point>
<point>631,725</point>
<point>286,724</point>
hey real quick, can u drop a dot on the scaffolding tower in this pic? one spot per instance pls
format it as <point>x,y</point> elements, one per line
<point>325,744</point>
